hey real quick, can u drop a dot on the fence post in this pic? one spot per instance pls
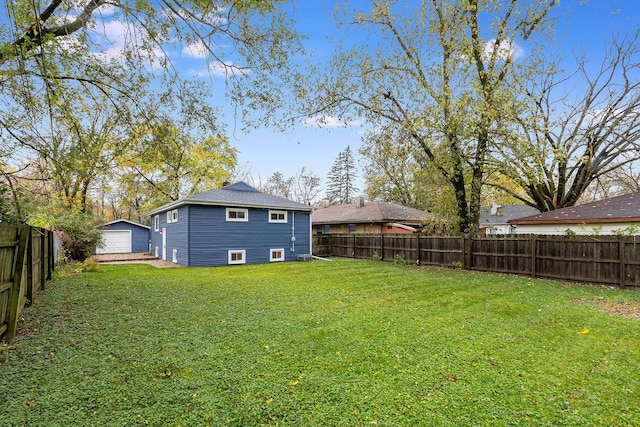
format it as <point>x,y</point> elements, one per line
<point>353,246</point>
<point>534,247</point>
<point>18,268</point>
<point>30,278</point>
<point>467,258</point>
<point>381,245</point>
<point>51,258</point>
<point>623,261</point>
<point>419,261</point>
<point>43,258</point>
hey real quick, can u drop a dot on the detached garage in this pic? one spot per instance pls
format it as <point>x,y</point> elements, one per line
<point>122,236</point>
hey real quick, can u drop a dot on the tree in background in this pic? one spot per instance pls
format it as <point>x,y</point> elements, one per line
<point>341,188</point>
<point>69,55</point>
<point>447,72</point>
<point>77,85</point>
<point>563,144</point>
<point>396,171</point>
<point>303,187</point>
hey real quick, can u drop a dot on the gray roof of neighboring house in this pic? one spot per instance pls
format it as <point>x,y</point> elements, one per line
<point>504,214</point>
<point>615,209</point>
<point>237,195</point>
<point>370,211</point>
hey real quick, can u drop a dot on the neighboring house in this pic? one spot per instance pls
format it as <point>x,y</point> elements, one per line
<point>368,218</point>
<point>495,219</point>
<point>235,224</point>
<point>122,236</point>
<point>616,215</point>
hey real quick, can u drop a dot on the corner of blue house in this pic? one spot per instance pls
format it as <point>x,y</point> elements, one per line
<point>214,235</point>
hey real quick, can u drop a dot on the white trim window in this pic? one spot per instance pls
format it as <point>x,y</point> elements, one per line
<point>237,214</point>
<point>277,216</point>
<point>156,223</point>
<point>172,216</point>
<point>238,256</point>
<point>276,255</point>
<point>174,258</point>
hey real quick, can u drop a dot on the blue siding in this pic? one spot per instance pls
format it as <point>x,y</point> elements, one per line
<point>211,236</point>
<point>139,235</point>
<point>177,236</point>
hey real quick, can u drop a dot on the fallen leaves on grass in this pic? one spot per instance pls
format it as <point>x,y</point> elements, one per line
<point>625,309</point>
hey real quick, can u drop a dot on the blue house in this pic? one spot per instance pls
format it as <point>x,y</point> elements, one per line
<point>235,224</point>
<point>122,236</point>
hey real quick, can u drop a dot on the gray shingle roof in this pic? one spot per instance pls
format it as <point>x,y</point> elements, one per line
<point>505,214</point>
<point>615,209</point>
<point>238,194</point>
<point>371,211</point>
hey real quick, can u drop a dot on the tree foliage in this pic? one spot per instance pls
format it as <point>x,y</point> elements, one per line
<point>444,71</point>
<point>396,171</point>
<point>303,187</point>
<point>565,142</point>
<point>341,186</point>
<point>93,102</point>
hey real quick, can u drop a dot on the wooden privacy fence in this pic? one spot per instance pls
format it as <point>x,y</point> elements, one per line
<point>609,260</point>
<point>26,262</point>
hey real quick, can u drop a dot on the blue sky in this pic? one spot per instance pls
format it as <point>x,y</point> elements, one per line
<point>583,25</point>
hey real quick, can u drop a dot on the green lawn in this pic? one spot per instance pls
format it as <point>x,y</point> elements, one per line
<point>342,343</point>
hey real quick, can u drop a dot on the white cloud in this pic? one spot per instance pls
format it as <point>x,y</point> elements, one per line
<point>329,121</point>
<point>116,37</point>
<point>218,69</point>
<point>507,49</point>
<point>195,50</point>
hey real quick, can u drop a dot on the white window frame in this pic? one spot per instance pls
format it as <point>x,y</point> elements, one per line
<point>232,252</point>
<point>172,216</point>
<point>273,251</point>
<point>174,258</point>
<point>278,221</point>
<point>245,211</point>
<point>156,223</point>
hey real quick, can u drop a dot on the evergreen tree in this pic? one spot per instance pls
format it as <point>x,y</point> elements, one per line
<point>341,186</point>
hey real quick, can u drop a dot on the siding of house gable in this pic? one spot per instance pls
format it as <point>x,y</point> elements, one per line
<point>139,235</point>
<point>211,236</point>
<point>580,229</point>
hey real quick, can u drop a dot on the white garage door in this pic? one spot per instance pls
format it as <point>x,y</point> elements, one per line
<point>115,241</point>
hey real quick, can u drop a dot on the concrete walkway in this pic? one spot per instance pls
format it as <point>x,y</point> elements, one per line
<point>133,258</point>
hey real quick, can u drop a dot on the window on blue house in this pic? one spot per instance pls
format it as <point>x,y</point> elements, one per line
<point>172,216</point>
<point>156,223</point>
<point>236,214</point>
<point>276,255</point>
<point>278,216</point>
<point>237,256</point>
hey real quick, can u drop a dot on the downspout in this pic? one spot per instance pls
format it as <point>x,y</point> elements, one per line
<point>293,231</point>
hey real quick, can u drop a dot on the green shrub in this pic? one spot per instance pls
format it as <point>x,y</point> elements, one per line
<point>376,256</point>
<point>400,260</point>
<point>79,234</point>
<point>90,265</point>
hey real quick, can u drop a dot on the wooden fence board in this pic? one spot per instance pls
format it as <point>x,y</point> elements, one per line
<point>609,260</point>
<point>25,265</point>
